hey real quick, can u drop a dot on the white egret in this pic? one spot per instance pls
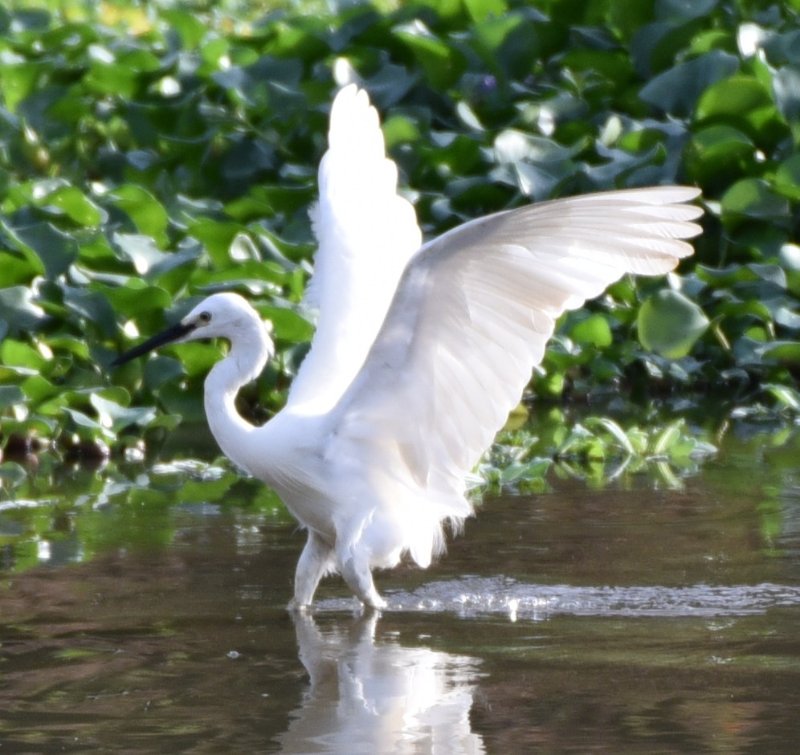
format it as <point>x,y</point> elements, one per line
<point>421,349</point>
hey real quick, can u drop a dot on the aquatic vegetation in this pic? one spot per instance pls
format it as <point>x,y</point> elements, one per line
<point>152,155</point>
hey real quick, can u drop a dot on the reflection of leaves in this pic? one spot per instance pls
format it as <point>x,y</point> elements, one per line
<point>122,508</point>
<point>597,449</point>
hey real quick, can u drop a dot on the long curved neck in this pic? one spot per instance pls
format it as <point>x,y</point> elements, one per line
<point>248,355</point>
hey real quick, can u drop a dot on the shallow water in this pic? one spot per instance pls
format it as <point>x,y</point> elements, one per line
<point>630,619</point>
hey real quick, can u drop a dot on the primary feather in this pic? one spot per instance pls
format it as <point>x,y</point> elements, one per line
<point>366,234</point>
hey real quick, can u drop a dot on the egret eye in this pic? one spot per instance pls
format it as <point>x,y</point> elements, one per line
<point>204,318</point>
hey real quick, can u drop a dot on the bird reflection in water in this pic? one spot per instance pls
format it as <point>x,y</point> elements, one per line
<point>371,695</point>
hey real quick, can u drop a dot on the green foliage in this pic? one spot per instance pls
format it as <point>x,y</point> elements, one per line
<point>670,324</point>
<point>596,449</point>
<point>151,154</point>
<point>53,511</point>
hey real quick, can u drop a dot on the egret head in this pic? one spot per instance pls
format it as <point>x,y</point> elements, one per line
<point>224,315</point>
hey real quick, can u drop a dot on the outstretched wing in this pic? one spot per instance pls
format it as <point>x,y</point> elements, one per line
<point>366,235</point>
<point>471,318</point>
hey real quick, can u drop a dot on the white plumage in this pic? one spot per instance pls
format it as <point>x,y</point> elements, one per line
<point>420,351</point>
<point>366,235</point>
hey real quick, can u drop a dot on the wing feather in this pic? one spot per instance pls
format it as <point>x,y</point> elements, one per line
<point>366,235</point>
<point>470,319</point>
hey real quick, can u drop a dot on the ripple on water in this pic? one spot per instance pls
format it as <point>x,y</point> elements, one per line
<point>480,596</point>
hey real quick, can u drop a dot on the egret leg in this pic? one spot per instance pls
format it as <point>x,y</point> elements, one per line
<point>315,560</point>
<point>356,572</point>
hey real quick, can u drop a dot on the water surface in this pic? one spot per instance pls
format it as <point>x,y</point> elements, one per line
<point>630,619</point>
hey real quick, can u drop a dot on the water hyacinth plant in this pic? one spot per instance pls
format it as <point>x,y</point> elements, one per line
<point>152,155</point>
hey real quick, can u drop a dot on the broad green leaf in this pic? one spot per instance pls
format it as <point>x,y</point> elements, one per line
<point>678,89</point>
<point>594,331</point>
<point>160,370</point>
<point>786,395</point>
<point>138,298</point>
<point>739,98</point>
<point>141,250</point>
<point>480,10</point>
<point>38,388</point>
<point>18,308</point>
<point>85,422</point>
<point>442,64</point>
<point>12,473</point>
<point>16,270</point>
<point>667,438</point>
<point>74,203</point>
<point>19,80</point>
<point>74,346</point>
<point>685,9</point>
<point>216,236</point>
<point>787,352</point>
<point>19,354</point>
<point>398,129</point>
<point>56,250</point>
<point>190,27</point>
<point>198,358</point>
<point>670,324</point>
<point>106,77</point>
<point>146,212</point>
<point>753,199</point>
<point>93,308</point>
<point>787,178</point>
<point>116,417</point>
<point>719,149</point>
<point>287,324</point>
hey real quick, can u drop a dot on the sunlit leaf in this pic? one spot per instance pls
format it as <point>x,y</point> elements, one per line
<point>146,212</point>
<point>787,178</point>
<point>670,324</point>
<point>786,395</point>
<point>480,10</point>
<point>151,156</point>
<point>20,354</point>
<point>613,429</point>
<point>56,250</point>
<point>191,28</point>
<point>787,352</point>
<point>76,205</point>
<point>593,330</point>
<point>754,199</point>
<point>140,249</point>
<point>116,417</point>
<point>667,437</point>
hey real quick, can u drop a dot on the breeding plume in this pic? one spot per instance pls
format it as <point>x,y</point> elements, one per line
<point>420,352</point>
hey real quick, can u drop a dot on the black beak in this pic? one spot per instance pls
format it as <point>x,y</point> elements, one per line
<point>175,333</point>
